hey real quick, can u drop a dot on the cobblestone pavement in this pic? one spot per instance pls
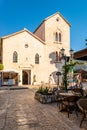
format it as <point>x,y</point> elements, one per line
<point>20,111</point>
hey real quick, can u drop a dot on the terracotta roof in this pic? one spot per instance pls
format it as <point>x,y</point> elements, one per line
<point>81,54</point>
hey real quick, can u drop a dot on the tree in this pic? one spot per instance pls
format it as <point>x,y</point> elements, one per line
<point>66,69</point>
<point>86,42</point>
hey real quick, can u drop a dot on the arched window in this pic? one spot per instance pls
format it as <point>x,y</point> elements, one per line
<point>37,58</point>
<point>60,56</point>
<point>56,36</point>
<point>15,56</point>
<point>56,56</point>
<point>59,37</point>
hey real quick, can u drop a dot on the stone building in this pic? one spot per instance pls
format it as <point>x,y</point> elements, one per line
<point>81,56</point>
<point>31,57</point>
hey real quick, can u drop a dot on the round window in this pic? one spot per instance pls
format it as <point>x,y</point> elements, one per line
<point>26,45</point>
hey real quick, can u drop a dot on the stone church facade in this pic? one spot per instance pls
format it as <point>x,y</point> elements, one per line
<point>31,57</point>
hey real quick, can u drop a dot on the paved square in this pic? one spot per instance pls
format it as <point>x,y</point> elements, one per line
<point>20,111</point>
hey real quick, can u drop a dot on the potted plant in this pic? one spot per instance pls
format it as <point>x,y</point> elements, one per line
<point>1,68</point>
<point>44,95</point>
<point>34,79</point>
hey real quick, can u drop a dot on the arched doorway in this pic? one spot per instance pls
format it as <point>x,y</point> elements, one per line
<point>26,77</point>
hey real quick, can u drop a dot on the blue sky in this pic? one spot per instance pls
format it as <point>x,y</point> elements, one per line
<point>17,14</point>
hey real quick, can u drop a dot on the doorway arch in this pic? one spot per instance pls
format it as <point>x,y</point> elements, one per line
<point>24,77</point>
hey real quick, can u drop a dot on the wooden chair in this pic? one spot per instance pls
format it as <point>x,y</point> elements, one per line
<point>82,104</point>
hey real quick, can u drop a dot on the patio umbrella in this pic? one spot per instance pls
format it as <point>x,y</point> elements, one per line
<point>10,71</point>
<point>58,73</point>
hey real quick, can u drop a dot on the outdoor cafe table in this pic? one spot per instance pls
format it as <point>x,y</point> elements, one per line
<point>67,97</point>
<point>66,94</point>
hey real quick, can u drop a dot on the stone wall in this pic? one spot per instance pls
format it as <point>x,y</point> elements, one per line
<point>45,98</point>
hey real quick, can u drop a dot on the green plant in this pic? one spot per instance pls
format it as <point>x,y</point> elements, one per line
<point>65,72</point>
<point>66,69</point>
<point>1,67</point>
<point>40,90</point>
<point>46,90</point>
<point>43,90</point>
<point>19,78</point>
<point>34,78</point>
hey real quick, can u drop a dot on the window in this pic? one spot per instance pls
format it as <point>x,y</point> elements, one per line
<point>60,56</point>
<point>56,37</point>
<point>37,58</point>
<point>57,19</point>
<point>15,57</point>
<point>59,37</point>
<point>56,56</point>
<point>26,45</point>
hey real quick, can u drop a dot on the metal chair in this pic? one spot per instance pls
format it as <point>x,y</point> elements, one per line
<point>60,98</point>
<point>70,104</point>
<point>82,104</point>
<point>78,91</point>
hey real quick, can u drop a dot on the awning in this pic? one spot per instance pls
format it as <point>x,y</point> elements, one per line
<point>10,71</point>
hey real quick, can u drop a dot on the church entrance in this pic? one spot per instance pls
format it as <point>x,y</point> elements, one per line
<point>26,77</point>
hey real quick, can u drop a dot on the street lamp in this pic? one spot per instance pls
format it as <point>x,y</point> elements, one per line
<point>65,67</point>
<point>71,53</point>
<point>64,56</point>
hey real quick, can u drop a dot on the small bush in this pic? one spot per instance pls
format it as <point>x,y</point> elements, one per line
<point>43,90</point>
<point>1,67</point>
<point>40,90</point>
<point>34,78</point>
